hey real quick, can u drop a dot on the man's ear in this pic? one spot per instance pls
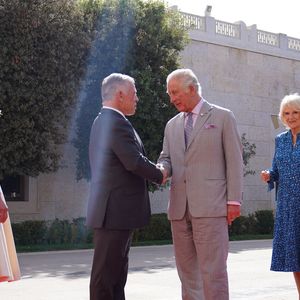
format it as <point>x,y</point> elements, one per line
<point>192,89</point>
<point>121,96</point>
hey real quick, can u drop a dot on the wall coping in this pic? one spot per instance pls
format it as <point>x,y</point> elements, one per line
<point>238,35</point>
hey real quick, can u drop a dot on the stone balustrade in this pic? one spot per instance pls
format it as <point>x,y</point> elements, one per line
<point>238,35</point>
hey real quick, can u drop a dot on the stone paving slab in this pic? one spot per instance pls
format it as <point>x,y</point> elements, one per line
<point>64,275</point>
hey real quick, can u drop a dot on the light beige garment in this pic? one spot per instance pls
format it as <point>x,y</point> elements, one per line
<point>9,265</point>
<point>209,171</point>
<point>206,174</point>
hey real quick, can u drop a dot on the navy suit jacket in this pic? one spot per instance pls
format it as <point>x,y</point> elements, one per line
<point>118,191</point>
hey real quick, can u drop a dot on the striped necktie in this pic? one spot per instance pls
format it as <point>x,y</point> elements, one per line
<point>188,128</point>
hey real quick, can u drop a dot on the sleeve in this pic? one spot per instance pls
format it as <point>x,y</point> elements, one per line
<point>274,174</point>
<point>127,149</point>
<point>233,158</point>
<point>164,157</point>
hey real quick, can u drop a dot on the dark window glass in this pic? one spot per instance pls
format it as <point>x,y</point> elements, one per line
<point>13,188</point>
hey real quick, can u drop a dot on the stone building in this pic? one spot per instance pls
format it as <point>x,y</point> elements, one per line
<point>242,68</point>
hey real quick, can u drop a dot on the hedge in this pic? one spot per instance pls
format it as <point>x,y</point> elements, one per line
<point>58,232</point>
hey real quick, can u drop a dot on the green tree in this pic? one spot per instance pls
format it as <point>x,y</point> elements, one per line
<point>43,45</point>
<point>111,25</point>
<point>142,39</point>
<point>158,41</point>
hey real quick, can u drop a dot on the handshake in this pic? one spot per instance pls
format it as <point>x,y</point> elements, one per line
<point>164,172</point>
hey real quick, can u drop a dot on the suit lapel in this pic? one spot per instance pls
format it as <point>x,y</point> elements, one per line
<point>203,116</point>
<point>180,130</point>
<point>137,137</point>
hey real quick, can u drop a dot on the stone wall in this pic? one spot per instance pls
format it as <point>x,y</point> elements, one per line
<point>56,195</point>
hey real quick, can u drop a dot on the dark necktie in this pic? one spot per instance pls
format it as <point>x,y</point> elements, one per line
<point>188,128</point>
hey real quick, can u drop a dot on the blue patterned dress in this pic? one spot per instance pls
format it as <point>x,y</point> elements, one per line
<point>286,172</point>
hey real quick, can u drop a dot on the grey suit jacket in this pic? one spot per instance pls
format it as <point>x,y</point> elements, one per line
<point>209,172</point>
<point>118,196</point>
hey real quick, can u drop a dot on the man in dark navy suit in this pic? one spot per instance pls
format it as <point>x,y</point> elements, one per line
<point>118,201</point>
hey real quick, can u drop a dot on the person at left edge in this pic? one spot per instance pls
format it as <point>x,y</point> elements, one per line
<point>118,201</point>
<point>9,264</point>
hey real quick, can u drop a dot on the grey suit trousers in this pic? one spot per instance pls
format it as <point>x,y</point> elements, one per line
<point>201,250</point>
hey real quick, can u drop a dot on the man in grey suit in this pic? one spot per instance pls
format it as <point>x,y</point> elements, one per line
<point>203,155</point>
<point>118,201</point>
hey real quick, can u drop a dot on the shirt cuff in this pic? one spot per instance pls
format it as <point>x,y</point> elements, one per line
<point>234,203</point>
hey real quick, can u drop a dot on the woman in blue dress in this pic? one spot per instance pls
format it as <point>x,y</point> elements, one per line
<point>285,172</point>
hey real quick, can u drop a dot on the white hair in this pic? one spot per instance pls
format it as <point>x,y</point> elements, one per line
<point>187,77</point>
<point>291,101</point>
<point>113,83</point>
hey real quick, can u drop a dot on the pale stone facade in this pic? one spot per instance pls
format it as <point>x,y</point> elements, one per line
<point>243,69</point>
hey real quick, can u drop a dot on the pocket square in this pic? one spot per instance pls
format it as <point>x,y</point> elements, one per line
<point>208,126</point>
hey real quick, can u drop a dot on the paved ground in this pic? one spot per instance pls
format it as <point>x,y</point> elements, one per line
<point>64,275</point>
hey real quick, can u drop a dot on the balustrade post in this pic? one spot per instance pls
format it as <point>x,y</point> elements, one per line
<point>252,35</point>
<point>243,32</point>
<point>283,42</point>
<point>210,25</point>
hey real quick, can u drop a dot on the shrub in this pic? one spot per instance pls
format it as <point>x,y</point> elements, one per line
<point>59,232</point>
<point>80,233</point>
<point>54,232</point>
<point>264,221</point>
<point>249,150</point>
<point>158,229</point>
<point>30,232</point>
<point>261,222</point>
<point>239,226</point>
<point>243,225</point>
